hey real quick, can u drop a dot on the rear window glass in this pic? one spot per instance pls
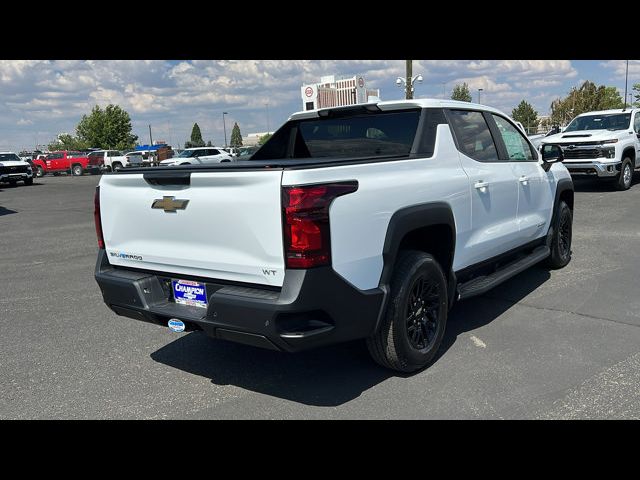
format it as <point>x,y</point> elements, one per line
<point>349,136</point>
<point>473,134</point>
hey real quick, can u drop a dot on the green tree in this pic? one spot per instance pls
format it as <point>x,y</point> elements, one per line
<point>196,137</point>
<point>68,142</point>
<point>209,144</point>
<point>236,136</point>
<point>107,128</point>
<point>588,97</point>
<point>636,89</point>
<point>461,92</point>
<point>526,115</point>
<point>262,140</point>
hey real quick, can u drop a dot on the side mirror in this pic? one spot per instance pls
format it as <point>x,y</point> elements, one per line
<point>551,154</point>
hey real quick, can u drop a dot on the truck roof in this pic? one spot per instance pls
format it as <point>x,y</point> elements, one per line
<point>608,112</point>
<point>398,105</point>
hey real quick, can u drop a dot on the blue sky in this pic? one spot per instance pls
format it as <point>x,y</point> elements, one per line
<point>40,99</point>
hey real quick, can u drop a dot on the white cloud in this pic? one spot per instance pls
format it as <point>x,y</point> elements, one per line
<point>53,95</point>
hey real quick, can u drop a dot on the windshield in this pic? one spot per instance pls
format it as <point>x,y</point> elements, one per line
<point>9,157</point>
<point>188,153</point>
<point>613,121</point>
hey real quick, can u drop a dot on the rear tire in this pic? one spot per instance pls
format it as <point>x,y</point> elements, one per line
<point>77,170</point>
<point>412,328</point>
<point>561,238</point>
<point>625,178</point>
<point>40,172</point>
<point>116,166</point>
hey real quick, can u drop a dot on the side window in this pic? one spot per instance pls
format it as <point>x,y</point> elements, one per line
<point>518,149</point>
<point>213,151</point>
<point>636,123</point>
<point>473,135</point>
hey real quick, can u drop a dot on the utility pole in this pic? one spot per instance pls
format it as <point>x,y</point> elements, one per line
<point>267,105</point>
<point>409,87</point>
<point>225,129</point>
<point>150,137</point>
<point>479,90</point>
<point>626,79</point>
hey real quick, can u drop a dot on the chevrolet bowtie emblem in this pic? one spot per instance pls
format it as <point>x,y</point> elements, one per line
<point>170,204</point>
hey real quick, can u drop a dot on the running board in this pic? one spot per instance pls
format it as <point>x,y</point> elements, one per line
<point>480,285</point>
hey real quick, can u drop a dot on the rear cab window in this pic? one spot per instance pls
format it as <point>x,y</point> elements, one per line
<point>345,134</point>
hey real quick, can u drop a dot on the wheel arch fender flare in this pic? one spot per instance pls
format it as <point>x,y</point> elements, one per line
<point>631,153</point>
<point>564,190</point>
<point>412,218</point>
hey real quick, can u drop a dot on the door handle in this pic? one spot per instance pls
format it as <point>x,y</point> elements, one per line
<point>523,179</point>
<point>482,186</point>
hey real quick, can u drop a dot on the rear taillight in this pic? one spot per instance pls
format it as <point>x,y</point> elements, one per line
<point>307,240</point>
<point>96,218</point>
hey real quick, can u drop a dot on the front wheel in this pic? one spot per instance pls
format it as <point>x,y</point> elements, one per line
<point>623,182</point>
<point>28,181</point>
<point>413,326</point>
<point>40,172</point>
<point>561,238</point>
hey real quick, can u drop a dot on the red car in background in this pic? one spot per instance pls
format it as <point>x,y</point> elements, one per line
<point>68,161</point>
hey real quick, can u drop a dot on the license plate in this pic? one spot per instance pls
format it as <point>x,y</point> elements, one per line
<point>186,292</point>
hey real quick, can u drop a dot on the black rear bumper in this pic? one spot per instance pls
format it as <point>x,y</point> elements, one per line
<point>313,308</point>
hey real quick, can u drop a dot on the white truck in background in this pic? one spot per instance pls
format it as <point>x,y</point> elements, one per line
<point>360,222</point>
<point>113,159</point>
<point>603,144</point>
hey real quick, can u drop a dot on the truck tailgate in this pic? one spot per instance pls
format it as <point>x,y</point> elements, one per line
<point>230,229</point>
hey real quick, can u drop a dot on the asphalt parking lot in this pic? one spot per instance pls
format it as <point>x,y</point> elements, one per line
<point>548,344</point>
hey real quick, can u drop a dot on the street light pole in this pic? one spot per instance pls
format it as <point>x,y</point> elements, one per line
<point>224,125</point>
<point>408,81</point>
<point>479,90</point>
<point>150,137</point>
<point>267,105</point>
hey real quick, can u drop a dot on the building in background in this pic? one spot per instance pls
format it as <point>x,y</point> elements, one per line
<point>330,92</point>
<point>252,139</point>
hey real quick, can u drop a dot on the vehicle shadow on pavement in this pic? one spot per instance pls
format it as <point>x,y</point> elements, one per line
<point>476,312</point>
<point>594,185</point>
<point>325,377</point>
<point>6,211</point>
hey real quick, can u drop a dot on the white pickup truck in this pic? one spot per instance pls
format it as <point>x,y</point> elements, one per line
<point>604,144</point>
<point>113,159</point>
<point>361,222</point>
